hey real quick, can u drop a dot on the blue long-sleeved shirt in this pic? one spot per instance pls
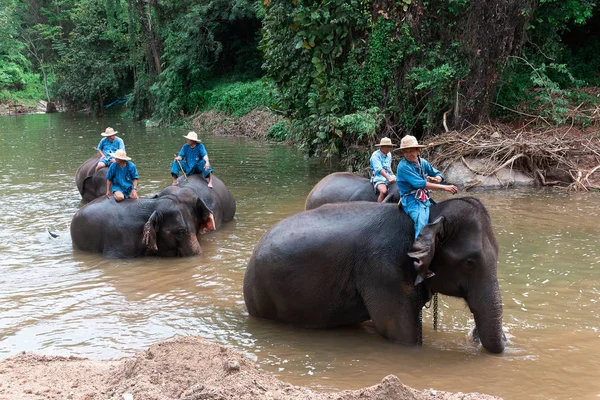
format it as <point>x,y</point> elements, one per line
<point>380,162</point>
<point>122,177</point>
<point>109,148</point>
<point>192,155</point>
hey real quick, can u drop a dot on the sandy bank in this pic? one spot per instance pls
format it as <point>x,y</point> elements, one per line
<point>189,368</point>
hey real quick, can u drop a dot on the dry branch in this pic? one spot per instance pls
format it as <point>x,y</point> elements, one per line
<point>532,151</point>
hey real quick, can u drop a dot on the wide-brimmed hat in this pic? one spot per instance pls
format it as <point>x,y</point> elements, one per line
<point>409,142</point>
<point>109,132</point>
<point>385,142</point>
<point>121,155</point>
<point>193,136</point>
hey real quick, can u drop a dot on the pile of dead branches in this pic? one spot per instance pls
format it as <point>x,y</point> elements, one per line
<point>557,157</point>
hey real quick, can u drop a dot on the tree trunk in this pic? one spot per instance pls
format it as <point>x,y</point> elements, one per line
<point>493,30</point>
<point>100,109</point>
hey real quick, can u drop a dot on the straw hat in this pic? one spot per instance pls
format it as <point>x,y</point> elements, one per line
<point>121,155</point>
<point>409,142</point>
<point>385,142</point>
<point>193,136</point>
<point>109,132</point>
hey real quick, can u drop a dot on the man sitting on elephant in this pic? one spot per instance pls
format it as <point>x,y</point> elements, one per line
<point>122,177</point>
<point>109,144</point>
<point>381,168</point>
<point>192,159</point>
<point>415,179</point>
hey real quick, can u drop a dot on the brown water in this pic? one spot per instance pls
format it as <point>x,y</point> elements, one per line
<point>54,300</point>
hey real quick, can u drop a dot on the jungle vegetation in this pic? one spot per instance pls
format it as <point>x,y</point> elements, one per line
<point>339,72</point>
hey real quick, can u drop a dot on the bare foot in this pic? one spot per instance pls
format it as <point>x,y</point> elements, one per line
<point>175,183</point>
<point>210,185</point>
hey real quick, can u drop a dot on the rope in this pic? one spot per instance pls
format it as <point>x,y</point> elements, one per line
<point>435,312</point>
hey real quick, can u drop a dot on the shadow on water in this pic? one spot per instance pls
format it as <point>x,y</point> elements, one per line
<point>55,300</point>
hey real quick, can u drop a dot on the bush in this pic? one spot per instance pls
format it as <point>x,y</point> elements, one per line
<point>280,131</point>
<point>238,98</point>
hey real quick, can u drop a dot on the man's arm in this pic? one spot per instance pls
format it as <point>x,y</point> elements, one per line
<point>108,187</point>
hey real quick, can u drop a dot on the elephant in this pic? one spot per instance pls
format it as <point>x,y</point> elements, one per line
<point>345,263</point>
<point>161,226</point>
<point>218,198</point>
<point>91,183</point>
<point>345,186</point>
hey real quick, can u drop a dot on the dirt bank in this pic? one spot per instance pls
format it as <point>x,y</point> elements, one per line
<point>189,368</point>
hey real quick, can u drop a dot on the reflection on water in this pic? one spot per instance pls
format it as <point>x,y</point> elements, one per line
<point>54,300</point>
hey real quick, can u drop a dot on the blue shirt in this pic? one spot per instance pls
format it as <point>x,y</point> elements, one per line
<point>122,177</point>
<point>410,176</point>
<point>379,162</point>
<point>109,148</point>
<point>192,156</point>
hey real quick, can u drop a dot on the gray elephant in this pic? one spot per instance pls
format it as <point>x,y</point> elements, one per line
<point>345,263</point>
<point>162,226</point>
<point>91,183</point>
<point>345,186</point>
<point>218,198</point>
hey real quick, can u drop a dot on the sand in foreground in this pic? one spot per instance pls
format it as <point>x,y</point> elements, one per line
<point>190,368</point>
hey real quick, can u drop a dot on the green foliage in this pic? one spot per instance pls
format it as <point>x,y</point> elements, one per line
<point>99,52</point>
<point>194,51</point>
<point>238,98</point>
<point>280,131</point>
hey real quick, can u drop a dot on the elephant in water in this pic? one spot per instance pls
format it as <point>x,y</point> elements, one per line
<point>218,198</point>
<point>91,183</point>
<point>345,186</point>
<point>345,263</point>
<point>162,226</point>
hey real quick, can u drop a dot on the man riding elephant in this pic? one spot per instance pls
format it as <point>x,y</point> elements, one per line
<point>381,168</point>
<point>122,177</point>
<point>108,145</point>
<point>192,159</point>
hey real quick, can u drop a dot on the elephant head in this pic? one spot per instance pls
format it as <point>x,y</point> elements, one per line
<point>170,230</point>
<point>460,247</point>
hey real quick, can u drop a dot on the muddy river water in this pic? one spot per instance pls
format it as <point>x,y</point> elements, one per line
<point>54,300</point>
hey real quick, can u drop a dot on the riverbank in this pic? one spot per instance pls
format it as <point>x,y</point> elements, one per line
<point>188,367</point>
<point>24,107</point>
<point>490,156</point>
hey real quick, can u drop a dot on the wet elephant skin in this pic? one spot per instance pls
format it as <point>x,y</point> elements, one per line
<point>345,263</point>
<point>345,186</point>
<point>91,183</point>
<point>218,199</point>
<point>133,228</point>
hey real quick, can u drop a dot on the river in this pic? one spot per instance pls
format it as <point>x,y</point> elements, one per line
<point>57,301</point>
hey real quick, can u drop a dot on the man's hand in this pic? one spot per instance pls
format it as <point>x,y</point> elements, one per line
<point>108,195</point>
<point>134,194</point>
<point>450,188</point>
<point>207,166</point>
<point>392,179</point>
<point>177,158</point>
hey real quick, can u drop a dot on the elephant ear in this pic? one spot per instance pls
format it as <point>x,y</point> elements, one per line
<point>423,248</point>
<point>150,228</point>
<point>207,219</point>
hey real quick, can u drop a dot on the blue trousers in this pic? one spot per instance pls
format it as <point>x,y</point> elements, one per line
<point>196,169</point>
<point>418,211</point>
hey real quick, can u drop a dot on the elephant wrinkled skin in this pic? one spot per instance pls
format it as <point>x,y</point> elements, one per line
<point>131,228</point>
<point>218,199</point>
<point>345,263</point>
<point>345,186</point>
<point>91,183</point>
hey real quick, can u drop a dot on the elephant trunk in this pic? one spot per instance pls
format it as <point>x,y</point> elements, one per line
<point>486,305</point>
<point>190,247</point>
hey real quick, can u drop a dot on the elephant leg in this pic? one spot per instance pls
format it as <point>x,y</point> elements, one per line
<point>395,313</point>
